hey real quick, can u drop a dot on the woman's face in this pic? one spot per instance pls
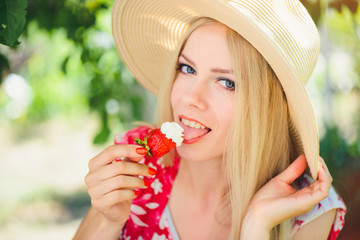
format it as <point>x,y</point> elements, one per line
<point>203,93</point>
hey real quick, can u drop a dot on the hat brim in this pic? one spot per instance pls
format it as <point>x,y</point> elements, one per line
<point>147,34</point>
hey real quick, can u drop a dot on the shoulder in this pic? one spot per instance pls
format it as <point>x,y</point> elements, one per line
<point>326,219</point>
<point>319,228</point>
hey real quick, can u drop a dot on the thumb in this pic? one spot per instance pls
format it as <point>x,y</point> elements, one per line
<point>294,170</point>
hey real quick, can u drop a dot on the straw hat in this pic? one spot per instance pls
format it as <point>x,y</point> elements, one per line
<point>148,33</point>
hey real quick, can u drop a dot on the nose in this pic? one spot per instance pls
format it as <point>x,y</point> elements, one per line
<point>196,96</point>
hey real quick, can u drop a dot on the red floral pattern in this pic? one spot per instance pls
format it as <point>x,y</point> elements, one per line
<point>147,218</point>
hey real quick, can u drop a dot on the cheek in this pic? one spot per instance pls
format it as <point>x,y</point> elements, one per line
<point>225,108</point>
<point>230,114</point>
<point>227,113</point>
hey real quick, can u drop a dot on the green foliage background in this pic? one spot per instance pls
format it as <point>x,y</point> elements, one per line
<point>12,20</point>
<point>70,63</point>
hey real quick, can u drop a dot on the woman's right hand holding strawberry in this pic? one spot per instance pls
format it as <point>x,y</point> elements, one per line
<point>112,184</point>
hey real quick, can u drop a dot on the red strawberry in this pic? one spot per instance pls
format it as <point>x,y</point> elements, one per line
<point>156,143</point>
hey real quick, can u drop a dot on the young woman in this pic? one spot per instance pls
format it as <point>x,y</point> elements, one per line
<point>235,85</point>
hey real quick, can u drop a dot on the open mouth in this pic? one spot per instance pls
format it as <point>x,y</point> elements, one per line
<point>193,130</point>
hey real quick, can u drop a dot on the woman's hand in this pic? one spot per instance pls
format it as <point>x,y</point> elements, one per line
<point>278,201</point>
<point>111,184</point>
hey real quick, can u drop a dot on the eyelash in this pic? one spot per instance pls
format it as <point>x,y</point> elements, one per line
<point>228,80</point>
<point>181,65</point>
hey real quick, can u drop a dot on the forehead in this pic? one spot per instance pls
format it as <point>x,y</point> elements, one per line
<point>208,42</point>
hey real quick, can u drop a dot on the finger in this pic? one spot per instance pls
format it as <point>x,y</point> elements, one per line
<point>109,154</point>
<point>127,159</point>
<point>118,168</point>
<point>294,170</point>
<point>321,160</point>
<point>132,168</point>
<point>318,190</point>
<point>107,201</point>
<point>323,178</point>
<point>118,183</point>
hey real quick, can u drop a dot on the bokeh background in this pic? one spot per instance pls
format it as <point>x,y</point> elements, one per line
<point>64,94</point>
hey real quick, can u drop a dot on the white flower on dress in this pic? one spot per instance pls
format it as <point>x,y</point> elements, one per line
<point>140,238</point>
<point>152,205</point>
<point>163,221</point>
<point>137,220</point>
<point>158,237</point>
<point>124,237</point>
<point>157,186</point>
<point>339,220</point>
<point>137,210</point>
<point>160,163</point>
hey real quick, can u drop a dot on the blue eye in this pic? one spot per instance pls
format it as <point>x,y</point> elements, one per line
<point>227,83</point>
<point>185,68</point>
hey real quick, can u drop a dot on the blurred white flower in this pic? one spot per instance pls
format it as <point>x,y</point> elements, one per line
<point>343,71</point>
<point>20,93</point>
<point>102,40</point>
<point>112,106</point>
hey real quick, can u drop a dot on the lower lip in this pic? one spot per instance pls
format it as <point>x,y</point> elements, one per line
<point>193,140</point>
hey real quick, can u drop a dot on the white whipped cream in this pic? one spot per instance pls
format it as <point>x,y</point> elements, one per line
<point>173,131</point>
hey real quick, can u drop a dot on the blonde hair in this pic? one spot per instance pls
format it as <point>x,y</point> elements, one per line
<point>259,145</point>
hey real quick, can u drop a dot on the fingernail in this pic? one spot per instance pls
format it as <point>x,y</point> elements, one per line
<point>146,183</point>
<point>152,171</point>
<point>136,192</point>
<point>141,151</point>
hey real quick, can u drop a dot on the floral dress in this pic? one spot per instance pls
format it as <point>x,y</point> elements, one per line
<point>148,220</point>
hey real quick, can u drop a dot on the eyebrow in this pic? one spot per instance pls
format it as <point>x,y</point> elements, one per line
<point>214,70</point>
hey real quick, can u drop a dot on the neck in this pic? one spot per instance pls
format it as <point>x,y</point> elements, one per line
<point>203,181</point>
<point>200,188</point>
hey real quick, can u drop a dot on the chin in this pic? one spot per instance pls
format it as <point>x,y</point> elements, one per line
<point>195,155</point>
<point>189,154</point>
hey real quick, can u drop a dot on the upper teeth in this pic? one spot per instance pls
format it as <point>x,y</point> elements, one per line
<point>192,124</point>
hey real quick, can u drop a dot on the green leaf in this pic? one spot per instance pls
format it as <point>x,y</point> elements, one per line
<point>138,141</point>
<point>4,65</point>
<point>12,20</point>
